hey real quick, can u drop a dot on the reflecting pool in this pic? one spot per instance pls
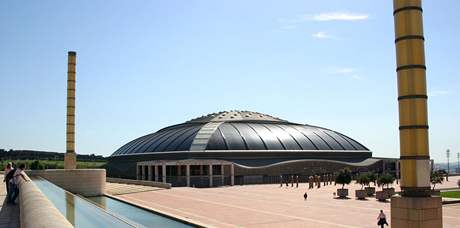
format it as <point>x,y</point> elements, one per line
<point>79,211</point>
<point>139,215</point>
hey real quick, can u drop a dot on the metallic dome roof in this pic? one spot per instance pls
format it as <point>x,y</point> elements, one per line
<point>240,131</point>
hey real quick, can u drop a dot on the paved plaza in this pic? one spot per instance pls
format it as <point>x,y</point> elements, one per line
<point>274,206</point>
<point>9,214</point>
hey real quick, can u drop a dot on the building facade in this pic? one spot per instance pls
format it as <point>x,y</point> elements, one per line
<point>240,147</point>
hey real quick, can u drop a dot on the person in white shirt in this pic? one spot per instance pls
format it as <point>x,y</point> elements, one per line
<point>14,182</point>
<point>382,219</point>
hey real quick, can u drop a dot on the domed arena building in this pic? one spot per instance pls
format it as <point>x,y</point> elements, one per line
<point>240,147</point>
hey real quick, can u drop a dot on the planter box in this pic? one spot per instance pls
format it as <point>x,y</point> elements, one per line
<point>389,191</point>
<point>435,192</point>
<point>342,193</point>
<point>381,195</point>
<point>370,191</point>
<point>361,194</point>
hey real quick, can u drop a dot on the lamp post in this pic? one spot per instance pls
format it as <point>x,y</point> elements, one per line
<point>448,167</point>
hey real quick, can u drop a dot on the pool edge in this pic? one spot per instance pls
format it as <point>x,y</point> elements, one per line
<point>161,212</point>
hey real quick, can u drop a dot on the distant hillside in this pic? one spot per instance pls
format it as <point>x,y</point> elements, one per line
<point>43,155</point>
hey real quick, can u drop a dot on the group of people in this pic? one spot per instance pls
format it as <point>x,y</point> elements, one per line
<point>292,180</point>
<point>11,178</point>
<point>313,181</point>
<point>317,179</point>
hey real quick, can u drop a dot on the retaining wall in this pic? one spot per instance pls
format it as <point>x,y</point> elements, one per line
<point>86,182</point>
<point>36,210</point>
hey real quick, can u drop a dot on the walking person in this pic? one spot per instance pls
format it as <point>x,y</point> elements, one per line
<point>382,219</point>
<point>281,181</point>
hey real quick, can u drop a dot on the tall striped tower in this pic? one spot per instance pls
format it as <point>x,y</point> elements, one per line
<point>70,158</point>
<point>416,201</point>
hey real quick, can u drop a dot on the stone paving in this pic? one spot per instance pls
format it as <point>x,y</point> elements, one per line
<point>274,206</point>
<point>9,214</point>
<point>119,189</point>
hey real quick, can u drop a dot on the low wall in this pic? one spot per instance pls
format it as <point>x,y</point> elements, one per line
<point>139,182</point>
<point>86,182</point>
<point>36,210</point>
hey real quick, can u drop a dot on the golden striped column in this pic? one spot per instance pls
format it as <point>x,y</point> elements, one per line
<point>70,160</point>
<point>415,207</point>
<point>412,98</point>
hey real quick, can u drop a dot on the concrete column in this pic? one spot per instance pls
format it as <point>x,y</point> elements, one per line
<point>138,174</point>
<point>70,158</point>
<point>232,175</point>
<point>187,171</point>
<point>149,173</point>
<point>163,167</point>
<point>210,175</point>
<point>156,173</point>
<point>142,172</point>
<point>222,173</point>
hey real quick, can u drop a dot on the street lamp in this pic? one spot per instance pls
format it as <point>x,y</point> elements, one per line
<point>448,168</point>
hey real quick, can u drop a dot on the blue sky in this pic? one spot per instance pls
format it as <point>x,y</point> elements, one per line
<point>144,65</point>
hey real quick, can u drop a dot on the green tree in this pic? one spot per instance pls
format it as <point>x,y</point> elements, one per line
<point>385,179</point>
<point>344,177</point>
<point>372,177</point>
<point>436,178</point>
<point>363,179</point>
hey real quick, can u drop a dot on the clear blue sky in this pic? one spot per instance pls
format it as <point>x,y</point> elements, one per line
<point>144,65</point>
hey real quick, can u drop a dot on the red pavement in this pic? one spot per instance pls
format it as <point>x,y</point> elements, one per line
<point>274,206</point>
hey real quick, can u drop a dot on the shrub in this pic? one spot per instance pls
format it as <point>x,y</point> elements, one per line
<point>36,165</point>
<point>344,177</point>
<point>372,177</point>
<point>363,179</point>
<point>436,178</point>
<point>385,179</point>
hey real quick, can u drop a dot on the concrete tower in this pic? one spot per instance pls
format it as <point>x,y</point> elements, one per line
<point>416,207</point>
<point>70,158</point>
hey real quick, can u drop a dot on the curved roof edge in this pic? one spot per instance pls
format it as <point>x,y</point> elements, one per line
<point>364,163</point>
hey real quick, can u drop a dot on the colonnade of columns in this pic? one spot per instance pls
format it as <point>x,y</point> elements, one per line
<point>150,170</point>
